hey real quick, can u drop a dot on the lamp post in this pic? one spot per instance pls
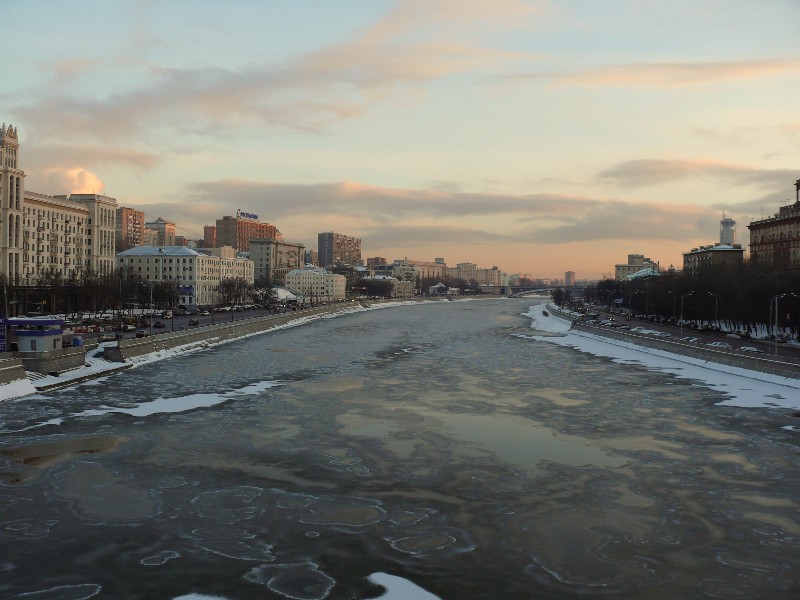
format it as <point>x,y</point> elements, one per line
<point>686,295</point>
<point>775,329</point>
<point>716,308</point>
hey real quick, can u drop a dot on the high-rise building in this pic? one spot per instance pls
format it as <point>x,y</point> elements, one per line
<point>338,249</point>
<point>165,231</point>
<point>775,241</point>
<point>569,278</point>
<point>129,230</point>
<point>50,235</point>
<point>239,230</point>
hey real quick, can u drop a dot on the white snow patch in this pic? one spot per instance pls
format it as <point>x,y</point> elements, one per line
<point>398,588</point>
<point>744,388</point>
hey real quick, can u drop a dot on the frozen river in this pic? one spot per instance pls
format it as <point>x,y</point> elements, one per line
<point>441,443</point>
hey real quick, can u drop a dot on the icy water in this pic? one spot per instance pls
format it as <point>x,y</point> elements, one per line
<point>437,443</point>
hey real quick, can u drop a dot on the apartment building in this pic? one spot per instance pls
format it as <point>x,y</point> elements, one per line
<point>195,274</point>
<point>273,259</point>
<point>239,230</point>
<point>338,249</point>
<point>775,241</point>
<point>43,235</point>
<point>316,285</point>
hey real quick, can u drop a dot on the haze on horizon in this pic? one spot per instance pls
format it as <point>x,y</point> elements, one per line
<point>538,136</point>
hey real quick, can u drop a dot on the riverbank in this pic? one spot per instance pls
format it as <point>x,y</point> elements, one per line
<point>744,387</point>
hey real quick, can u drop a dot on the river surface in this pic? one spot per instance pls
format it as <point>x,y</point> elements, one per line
<point>439,443</point>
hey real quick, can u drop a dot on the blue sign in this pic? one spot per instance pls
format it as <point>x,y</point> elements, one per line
<point>240,214</point>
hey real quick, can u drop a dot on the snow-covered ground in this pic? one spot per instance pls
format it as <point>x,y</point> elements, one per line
<point>743,388</point>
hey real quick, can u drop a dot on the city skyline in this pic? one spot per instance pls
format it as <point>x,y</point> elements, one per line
<point>542,137</point>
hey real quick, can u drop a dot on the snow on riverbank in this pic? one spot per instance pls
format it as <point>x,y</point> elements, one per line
<point>744,388</point>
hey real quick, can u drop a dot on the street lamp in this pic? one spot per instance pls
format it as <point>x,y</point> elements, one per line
<point>716,308</point>
<point>632,297</point>
<point>686,295</point>
<point>775,329</point>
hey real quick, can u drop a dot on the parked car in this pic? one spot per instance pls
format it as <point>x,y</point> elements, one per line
<point>129,328</point>
<point>719,344</point>
<point>158,325</point>
<point>167,314</point>
<point>107,337</point>
<point>204,313</point>
<point>751,349</point>
<point>194,322</point>
<point>142,333</point>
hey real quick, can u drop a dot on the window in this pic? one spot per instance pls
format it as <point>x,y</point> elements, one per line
<point>33,344</point>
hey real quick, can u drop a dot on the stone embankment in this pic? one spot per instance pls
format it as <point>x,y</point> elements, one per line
<point>762,364</point>
<point>128,349</point>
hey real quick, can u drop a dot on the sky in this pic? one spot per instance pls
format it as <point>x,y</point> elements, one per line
<point>536,136</point>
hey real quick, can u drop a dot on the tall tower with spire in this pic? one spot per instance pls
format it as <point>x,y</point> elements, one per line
<point>12,192</point>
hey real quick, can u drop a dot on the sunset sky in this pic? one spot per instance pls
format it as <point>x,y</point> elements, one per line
<point>538,136</point>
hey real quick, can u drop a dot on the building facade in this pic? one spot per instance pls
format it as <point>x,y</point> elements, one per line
<point>636,263</point>
<point>569,278</point>
<point>43,235</point>
<point>775,241</point>
<point>337,249</point>
<point>164,232</point>
<point>273,259</point>
<point>129,228</point>
<point>239,230</point>
<point>196,275</point>
<point>316,285</point>
<point>717,256</point>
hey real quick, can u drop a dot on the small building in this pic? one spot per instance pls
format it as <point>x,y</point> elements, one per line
<point>35,335</point>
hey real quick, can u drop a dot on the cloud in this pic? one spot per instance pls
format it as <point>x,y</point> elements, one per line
<point>645,172</point>
<point>670,74</point>
<point>72,181</point>
<point>424,216</point>
<point>415,42</point>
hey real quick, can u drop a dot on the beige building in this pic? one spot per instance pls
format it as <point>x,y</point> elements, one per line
<point>196,275</point>
<point>164,232</point>
<point>636,263</point>
<point>129,228</point>
<point>316,285</point>
<point>775,241</point>
<point>335,249</point>
<point>44,235</point>
<point>273,259</point>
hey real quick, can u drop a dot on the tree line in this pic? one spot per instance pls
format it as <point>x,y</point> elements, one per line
<point>740,298</point>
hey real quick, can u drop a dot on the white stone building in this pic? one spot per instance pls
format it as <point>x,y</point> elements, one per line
<point>316,285</point>
<point>196,275</point>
